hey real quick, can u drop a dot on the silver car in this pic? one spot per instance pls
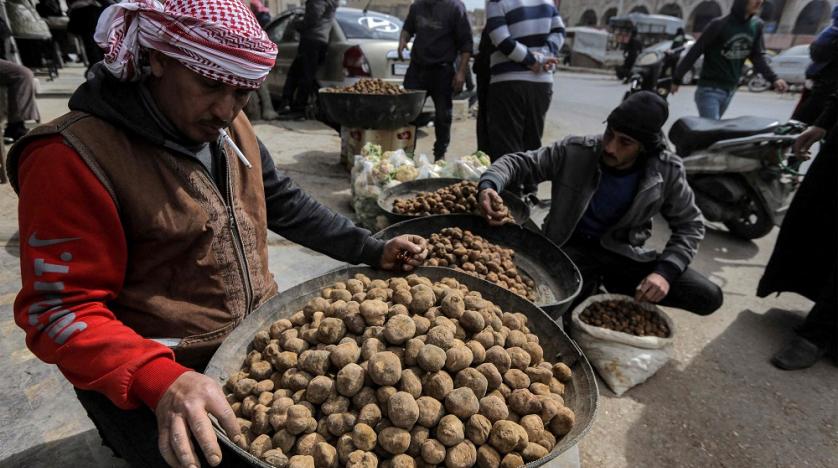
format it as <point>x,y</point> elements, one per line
<point>789,65</point>
<point>362,45</point>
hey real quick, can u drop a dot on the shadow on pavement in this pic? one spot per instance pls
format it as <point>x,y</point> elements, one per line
<point>746,413</point>
<point>12,246</point>
<point>724,245</point>
<point>83,449</point>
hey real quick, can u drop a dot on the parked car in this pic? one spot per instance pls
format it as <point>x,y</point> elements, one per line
<point>789,65</point>
<point>362,44</point>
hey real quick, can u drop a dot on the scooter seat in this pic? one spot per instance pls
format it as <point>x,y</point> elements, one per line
<point>690,134</point>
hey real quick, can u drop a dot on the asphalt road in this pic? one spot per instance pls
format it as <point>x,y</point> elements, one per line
<point>581,102</point>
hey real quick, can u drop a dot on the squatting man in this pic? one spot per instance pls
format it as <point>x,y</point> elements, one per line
<point>606,190</point>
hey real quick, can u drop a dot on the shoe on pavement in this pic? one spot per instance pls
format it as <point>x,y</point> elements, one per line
<point>799,353</point>
<point>14,132</point>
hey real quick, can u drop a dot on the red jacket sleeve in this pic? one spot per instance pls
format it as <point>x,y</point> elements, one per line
<point>73,257</point>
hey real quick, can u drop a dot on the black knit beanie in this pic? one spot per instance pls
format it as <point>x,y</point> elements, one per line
<point>641,116</point>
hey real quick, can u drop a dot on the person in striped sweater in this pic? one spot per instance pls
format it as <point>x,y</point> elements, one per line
<point>527,35</point>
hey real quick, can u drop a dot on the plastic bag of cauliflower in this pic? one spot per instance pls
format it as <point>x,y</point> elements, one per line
<point>373,171</point>
<point>472,166</point>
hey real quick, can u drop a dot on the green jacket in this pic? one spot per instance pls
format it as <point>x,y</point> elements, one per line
<point>726,44</point>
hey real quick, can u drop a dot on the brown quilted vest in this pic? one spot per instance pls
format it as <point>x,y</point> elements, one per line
<point>197,263</point>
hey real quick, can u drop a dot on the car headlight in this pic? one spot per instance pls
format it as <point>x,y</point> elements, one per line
<point>649,58</point>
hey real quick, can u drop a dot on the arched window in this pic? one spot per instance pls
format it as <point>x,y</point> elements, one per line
<point>772,12</point>
<point>609,13</point>
<point>588,18</point>
<point>813,16</point>
<point>640,9</point>
<point>672,9</point>
<point>703,14</point>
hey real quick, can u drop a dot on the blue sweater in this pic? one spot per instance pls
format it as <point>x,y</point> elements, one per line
<point>611,200</point>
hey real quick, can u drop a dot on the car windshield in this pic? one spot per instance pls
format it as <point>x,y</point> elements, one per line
<point>369,25</point>
<point>659,47</point>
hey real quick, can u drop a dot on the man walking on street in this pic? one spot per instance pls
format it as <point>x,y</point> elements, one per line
<point>315,30</point>
<point>606,190</point>
<point>527,36</point>
<point>726,43</point>
<point>805,258</point>
<point>442,32</point>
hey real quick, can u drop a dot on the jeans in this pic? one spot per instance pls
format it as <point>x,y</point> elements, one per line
<point>436,81</point>
<point>712,102</point>
<point>691,291</point>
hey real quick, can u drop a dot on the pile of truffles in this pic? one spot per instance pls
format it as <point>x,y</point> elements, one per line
<point>369,86</point>
<point>458,198</point>
<point>627,317</point>
<point>460,249</point>
<point>405,372</point>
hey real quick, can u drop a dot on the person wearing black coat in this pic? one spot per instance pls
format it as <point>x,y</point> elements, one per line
<point>805,258</point>
<point>631,50</point>
<point>822,73</point>
<point>483,74</point>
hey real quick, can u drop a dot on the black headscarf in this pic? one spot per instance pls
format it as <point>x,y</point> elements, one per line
<point>739,10</point>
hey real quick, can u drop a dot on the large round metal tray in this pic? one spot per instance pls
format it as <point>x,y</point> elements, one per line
<point>517,208</point>
<point>581,394</point>
<point>386,112</point>
<point>557,279</point>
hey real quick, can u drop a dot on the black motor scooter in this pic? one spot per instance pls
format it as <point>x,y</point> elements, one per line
<point>738,168</point>
<point>653,72</point>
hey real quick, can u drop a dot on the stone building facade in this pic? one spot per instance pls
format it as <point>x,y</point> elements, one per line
<point>787,21</point>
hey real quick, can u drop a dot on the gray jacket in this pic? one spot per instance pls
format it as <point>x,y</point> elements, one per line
<point>317,21</point>
<point>573,167</point>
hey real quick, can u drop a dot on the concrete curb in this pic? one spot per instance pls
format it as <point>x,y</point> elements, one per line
<point>592,71</point>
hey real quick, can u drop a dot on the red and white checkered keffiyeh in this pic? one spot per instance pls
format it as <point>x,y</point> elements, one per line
<point>218,39</point>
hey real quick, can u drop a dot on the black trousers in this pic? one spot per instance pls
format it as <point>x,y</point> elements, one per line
<point>435,80</point>
<point>132,434</point>
<point>692,291</point>
<point>516,120</point>
<point>83,23</point>
<point>812,101</point>
<point>301,82</point>
<point>483,77</point>
<point>821,325</point>
<point>516,116</point>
